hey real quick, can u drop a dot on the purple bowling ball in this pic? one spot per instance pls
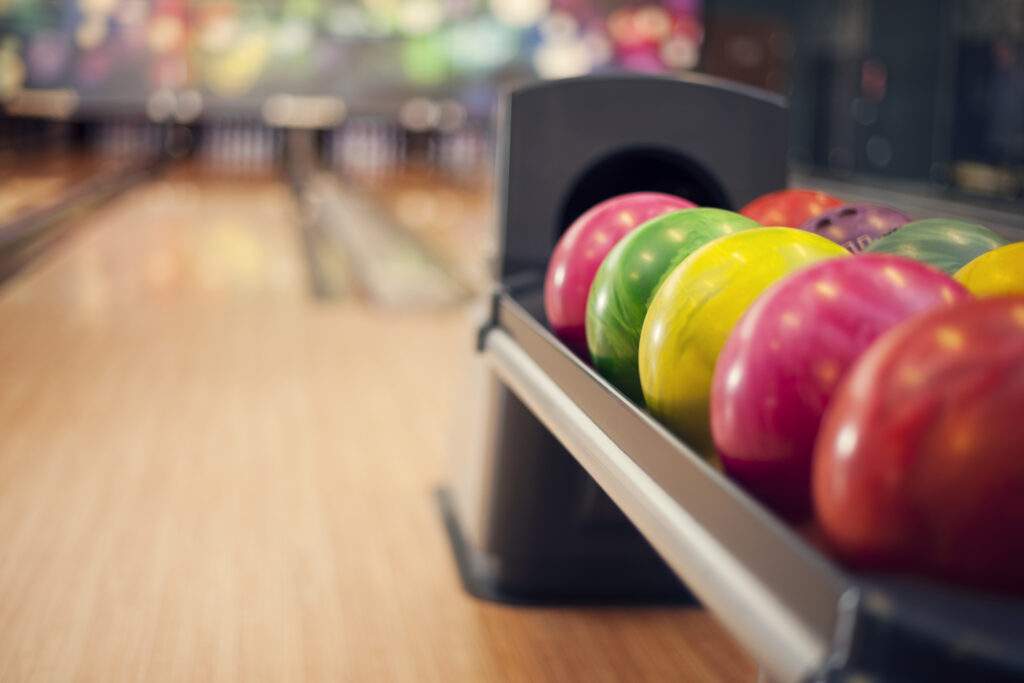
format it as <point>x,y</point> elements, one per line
<point>855,226</point>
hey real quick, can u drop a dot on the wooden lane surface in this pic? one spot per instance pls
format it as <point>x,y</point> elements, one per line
<point>206,475</point>
<point>449,219</point>
<point>39,181</point>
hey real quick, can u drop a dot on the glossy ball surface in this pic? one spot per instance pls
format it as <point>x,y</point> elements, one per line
<point>579,254</point>
<point>789,208</point>
<point>779,370</point>
<point>943,243</point>
<point>919,467</point>
<point>629,277</point>
<point>697,306</point>
<point>996,272</point>
<point>855,226</point>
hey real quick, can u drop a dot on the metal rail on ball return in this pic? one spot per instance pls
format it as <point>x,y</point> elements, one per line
<point>801,616</point>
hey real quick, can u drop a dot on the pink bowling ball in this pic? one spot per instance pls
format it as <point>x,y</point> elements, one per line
<point>580,252</point>
<point>783,361</point>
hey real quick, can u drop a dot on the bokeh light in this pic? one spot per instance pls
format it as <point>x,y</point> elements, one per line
<point>231,49</point>
<point>519,13</point>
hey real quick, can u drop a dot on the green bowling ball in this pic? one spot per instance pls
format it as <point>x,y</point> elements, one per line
<point>940,242</point>
<point>629,277</point>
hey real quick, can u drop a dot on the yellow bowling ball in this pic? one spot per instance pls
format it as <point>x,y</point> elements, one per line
<point>697,306</point>
<point>996,272</point>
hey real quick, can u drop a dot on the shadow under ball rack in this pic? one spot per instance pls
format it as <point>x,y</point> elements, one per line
<point>567,492</point>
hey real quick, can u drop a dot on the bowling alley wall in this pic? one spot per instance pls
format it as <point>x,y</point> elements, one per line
<point>939,106</point>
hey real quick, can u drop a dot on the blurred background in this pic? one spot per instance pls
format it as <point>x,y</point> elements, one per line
<point>385,101</point>
<point>930,92</point>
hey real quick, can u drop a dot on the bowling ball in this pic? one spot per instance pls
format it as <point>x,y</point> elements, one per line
<point>1000,271</point>
<point>790,208</point>
<point>628,278</point>
<point>855,226</point>
<point>580,252</point>
<point>697,306</point>
<point>941,242</point>
<point>918,467</point>
<point>782,363</point>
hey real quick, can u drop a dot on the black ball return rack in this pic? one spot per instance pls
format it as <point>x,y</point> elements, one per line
<point>570,493</point>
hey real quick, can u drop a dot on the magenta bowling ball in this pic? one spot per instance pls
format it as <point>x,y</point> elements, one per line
<point>580,252</point>
<point>783,361</point>
<point>855,226</point>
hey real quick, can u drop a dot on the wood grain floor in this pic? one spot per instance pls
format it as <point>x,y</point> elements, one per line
<point>206,475</point>
<point>25,187</point>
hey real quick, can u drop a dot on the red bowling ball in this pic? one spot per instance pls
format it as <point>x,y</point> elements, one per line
<point>782,363</point>
<point>789,208</point>
<point>919,466</point>
<point>580,252</point>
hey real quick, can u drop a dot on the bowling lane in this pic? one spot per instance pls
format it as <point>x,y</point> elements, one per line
<point>39,181</point>
<point>205,473</point>
<point>404,239</point>
<point>451,219</point>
